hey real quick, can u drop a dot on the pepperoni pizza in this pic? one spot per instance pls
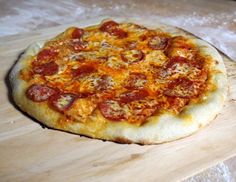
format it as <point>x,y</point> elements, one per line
<point>121,82</point>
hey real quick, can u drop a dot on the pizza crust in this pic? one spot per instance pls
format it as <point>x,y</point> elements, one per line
<point>40,111</point>
<point>158,129</point>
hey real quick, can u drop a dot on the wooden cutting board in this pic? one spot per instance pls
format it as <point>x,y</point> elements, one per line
<point>29,152</point>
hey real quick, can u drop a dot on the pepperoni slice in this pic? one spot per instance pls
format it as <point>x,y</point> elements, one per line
<point>176,60</point>
<point>63,101</point>
<point>132,56</point>
<point>143,37</point>
<point>104,82</point>
<point>83,71</point>
<point>183,87</point>
<point>47,54</point>
<point>111,27</point>
<point>202,76</point>
<point>136,80</point>
<point>46,69</point>
<point>198,63</point>
<point>185,46</point>
<point>158,43</point>
<point>141,110</point>
<point>181,42</point>
<point>107,26</point>
<point>39,93</point>
<point>119,33</point>
<point>77,33</point>
<point>178,65</point>
<point>112,110</point>
<point>133,95</point>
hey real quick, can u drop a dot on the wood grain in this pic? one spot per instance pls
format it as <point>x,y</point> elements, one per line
<point>32,153</point>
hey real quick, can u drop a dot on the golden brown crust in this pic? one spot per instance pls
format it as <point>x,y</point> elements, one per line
<point>122,140</point>
<point>159,129</point>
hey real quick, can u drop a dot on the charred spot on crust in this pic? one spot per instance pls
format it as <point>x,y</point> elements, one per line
<point>123,140</point>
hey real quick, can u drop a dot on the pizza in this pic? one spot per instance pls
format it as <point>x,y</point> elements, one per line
<point>122,81</point>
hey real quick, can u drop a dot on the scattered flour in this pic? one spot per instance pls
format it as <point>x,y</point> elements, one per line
<point>27,17</point>
<point>219,173</point>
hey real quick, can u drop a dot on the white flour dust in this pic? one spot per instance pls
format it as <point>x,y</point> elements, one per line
<point>209,29</point>
<point>219,173</point>
<point>27,17</point>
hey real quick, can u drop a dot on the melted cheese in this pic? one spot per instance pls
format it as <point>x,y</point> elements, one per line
<point>104,52</point>
<point>63,101</point>
<point>81,109</point>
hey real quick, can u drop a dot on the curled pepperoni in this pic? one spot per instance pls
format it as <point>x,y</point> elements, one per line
<point>158,43</point>
<point>39,93</point>
<point>77,33</point>
<point>46,69</point>
<point>132,56</point>
<point>107,26</point>
<point>111,27</point>
<point>135,80</point>
<point>112,110</point>
<point>133,95</point>
<point>83,71</point>
<point>119,33</point>
<point>63,101</point>
<point>46,54</point>
<point>183,87</point>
